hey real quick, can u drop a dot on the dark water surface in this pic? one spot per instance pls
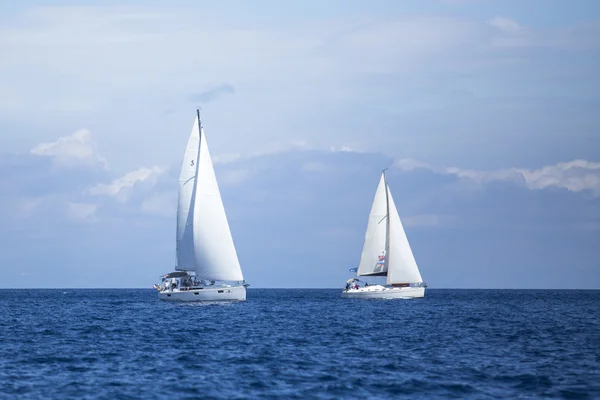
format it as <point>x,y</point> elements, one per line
<point>299,343</point>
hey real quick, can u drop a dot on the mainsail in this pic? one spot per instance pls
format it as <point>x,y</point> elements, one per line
<point>185,210</point>
<point>386,251</point>
<point>372,259</point>
<point>204,241</point>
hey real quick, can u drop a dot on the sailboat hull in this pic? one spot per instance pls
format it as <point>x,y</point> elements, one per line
<point>384,292</point>
<point>217,293</point>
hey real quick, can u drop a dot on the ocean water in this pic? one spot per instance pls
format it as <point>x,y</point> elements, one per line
<point>296,343</point>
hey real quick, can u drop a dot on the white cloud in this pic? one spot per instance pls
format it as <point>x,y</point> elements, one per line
<point>232,176</point>
<point>307,83</point>
<point>507,25</point>
<point>118,188</point>
<point>575,176</point>
<point>408,164</point>
<point>513,34</point>
<point>268,149</point>
<point>344,149</point>
<point>73,150</point>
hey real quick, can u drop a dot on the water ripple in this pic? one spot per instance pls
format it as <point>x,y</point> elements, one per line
<point>460,344</point>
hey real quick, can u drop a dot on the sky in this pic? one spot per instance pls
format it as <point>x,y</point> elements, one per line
<point>484,111</point>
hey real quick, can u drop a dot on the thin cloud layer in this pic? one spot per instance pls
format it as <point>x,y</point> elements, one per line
<point>118,188</point>
<point>575,176</point>
<point>384,80</point>
<point>319,198</point>
<point>72,150</point>
<point>507,25</point>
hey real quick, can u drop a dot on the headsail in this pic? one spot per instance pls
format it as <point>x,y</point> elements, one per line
<point>402,266</point>
<point>216,258</point>
<point>372,259</point>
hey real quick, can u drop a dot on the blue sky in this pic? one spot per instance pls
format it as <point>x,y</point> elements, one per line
<point>486,113</point>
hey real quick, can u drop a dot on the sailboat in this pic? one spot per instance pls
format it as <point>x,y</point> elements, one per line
<point>386,253</point>
<point>207,266</point>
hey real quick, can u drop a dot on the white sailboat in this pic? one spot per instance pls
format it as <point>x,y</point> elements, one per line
<point>207,267</point>
<point>386,253</point>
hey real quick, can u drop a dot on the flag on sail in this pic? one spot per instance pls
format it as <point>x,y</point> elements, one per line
<point>381,259</point>
<point>380,262</point>
<point>154,286</point>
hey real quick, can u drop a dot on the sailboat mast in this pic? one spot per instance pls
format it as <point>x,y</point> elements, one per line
<point>199,145</point>
<point>199,121</point>
<point>197,167</point>
<point>387,223</point>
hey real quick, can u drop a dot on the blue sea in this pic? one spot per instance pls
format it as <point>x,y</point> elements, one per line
<point>300,343</point>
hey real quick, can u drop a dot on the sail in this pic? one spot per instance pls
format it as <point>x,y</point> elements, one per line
<point>187,182</point>
<point>216,258</point>
<point>372,259</point>
<point>402,267</point>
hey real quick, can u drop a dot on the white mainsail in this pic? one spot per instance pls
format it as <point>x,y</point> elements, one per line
<point>386,251</point>
<point>372,259</point>
<point>204,241</point>
<point>187,184</point>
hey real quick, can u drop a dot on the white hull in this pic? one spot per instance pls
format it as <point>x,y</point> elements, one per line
<point>384,292</point>
<point>207,293</point>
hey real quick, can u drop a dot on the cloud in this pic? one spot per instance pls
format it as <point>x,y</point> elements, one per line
<point>575,176</point>
<point>408,164</point>
<point>118,188</point>
<point>235,169</point>
<point>274,148</point>
<point>507,25</point>
<point>71,151</point>
<point>329,206</point>
<point>344,149</point>
<point>213,93</point>
<point>306,84</point>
